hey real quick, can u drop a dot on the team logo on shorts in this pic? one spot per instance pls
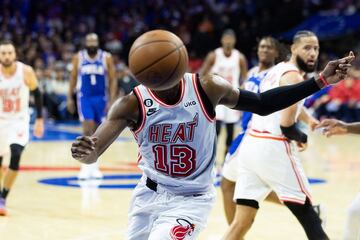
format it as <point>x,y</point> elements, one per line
<point>180,231</point>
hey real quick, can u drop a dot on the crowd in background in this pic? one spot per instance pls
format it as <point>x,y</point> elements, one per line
<point>47,34</point>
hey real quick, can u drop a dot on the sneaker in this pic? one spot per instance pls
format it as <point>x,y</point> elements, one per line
<point>96,174</point>
<point>2,207</point>
<point>321,212</point>
<point>84,173</point>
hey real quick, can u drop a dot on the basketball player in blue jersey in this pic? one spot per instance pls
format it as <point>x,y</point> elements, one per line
<point>93,76</point>
<point>267,53</point>
<point>176,133</point>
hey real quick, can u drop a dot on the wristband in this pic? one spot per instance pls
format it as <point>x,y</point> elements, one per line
<point>323,80</point>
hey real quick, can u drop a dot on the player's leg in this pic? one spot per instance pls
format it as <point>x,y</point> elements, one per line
<point>288,180</point>
<point>229,135</point>
<point>12,172</point>
<point>229,177</point>
<point>183,217</point>
<point>308,219</point>
<point>249,191</point>
<point>244,218</point>
<point>227,189</point>
<point>352,227</point>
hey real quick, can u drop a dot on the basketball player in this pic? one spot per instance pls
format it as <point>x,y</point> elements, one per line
<point>16,81</point>
<point>93,76</point>
<point>335,127</point>
<point>276,167</point>
<point>176,133</point>
<point>230,64</point>
<point>267,53</point>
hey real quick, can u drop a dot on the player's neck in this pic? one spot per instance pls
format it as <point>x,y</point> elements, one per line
<point>170,96</point>
<point>8,70</point>
<point>227,52</point>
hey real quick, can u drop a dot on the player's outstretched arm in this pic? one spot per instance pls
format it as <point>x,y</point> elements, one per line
<point>221,92</point>
<point>123,113</point>
<point>337,127</point>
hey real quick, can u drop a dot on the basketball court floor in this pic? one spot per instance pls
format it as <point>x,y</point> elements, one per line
<point>48,202</point>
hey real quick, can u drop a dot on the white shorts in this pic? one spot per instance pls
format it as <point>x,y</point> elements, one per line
<point>226,114</point>
<point>13,132</point>
<point>268,163</point>
<point>164,216</point>
<point>230,168</point>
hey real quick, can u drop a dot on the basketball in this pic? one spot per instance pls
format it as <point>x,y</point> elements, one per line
<point>158,59</point>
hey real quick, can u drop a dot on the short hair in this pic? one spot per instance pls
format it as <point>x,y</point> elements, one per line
<point>228,32</point>
<point>301,34</point>
<point>7,42</point>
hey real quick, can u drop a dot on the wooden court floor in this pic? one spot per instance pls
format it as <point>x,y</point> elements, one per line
<point>41,211</point>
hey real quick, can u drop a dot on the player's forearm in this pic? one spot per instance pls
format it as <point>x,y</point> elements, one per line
<point>38,102</point>
<point>353,128</point>
<point>275,99</point>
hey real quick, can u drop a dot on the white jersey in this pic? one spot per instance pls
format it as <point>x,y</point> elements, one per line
<point>227,67</point>
<point>177,143</point>
<point>271,123</point>
<point>14,96</point>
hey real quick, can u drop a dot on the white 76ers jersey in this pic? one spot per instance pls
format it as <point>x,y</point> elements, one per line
<point>271,123</point>
<point>177,143</point>
<point>14,96</point>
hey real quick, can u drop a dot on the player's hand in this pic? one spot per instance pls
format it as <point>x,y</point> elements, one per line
<point>70,105</point>
<point>39,128</point>
<point>332,127</point>
<point>337,70</point>
<point>83,149</point>
<point>301,146</point>
<point>313,122</point>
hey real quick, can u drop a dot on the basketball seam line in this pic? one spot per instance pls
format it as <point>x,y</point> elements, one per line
<point>157,60</point>
<point>155,41</point>
<point>176,67</point>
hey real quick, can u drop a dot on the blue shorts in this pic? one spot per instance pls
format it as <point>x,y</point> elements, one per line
<point>92,108</point>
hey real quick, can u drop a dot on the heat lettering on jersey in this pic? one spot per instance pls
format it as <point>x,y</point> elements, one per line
<point>11,99</point>
<point>174,159</point>
<point>184,132</point>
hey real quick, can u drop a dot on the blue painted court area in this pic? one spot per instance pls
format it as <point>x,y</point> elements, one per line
<point>125,178</point>
<point>62,132</point>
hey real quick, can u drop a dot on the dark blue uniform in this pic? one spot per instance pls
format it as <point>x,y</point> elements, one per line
<point>92,86</point>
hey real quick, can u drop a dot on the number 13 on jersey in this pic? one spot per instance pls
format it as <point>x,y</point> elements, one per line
<point>182,159</point>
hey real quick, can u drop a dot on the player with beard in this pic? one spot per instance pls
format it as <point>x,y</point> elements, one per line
<point>17,80</point>
<point>277,167</point>
<point>93,76</point>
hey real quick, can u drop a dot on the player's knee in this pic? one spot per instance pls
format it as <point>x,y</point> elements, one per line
<point>16,151</point>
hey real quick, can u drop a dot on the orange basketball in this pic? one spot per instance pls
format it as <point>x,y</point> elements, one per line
<point>158,59</point>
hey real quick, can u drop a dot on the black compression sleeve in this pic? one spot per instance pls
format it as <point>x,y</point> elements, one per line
<point>275,99</point>
<point>38,102</point>
<point>293,133</point>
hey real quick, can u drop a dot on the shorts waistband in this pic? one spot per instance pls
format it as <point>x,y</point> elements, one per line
<point>152,185</point>
<point>266,135</point>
